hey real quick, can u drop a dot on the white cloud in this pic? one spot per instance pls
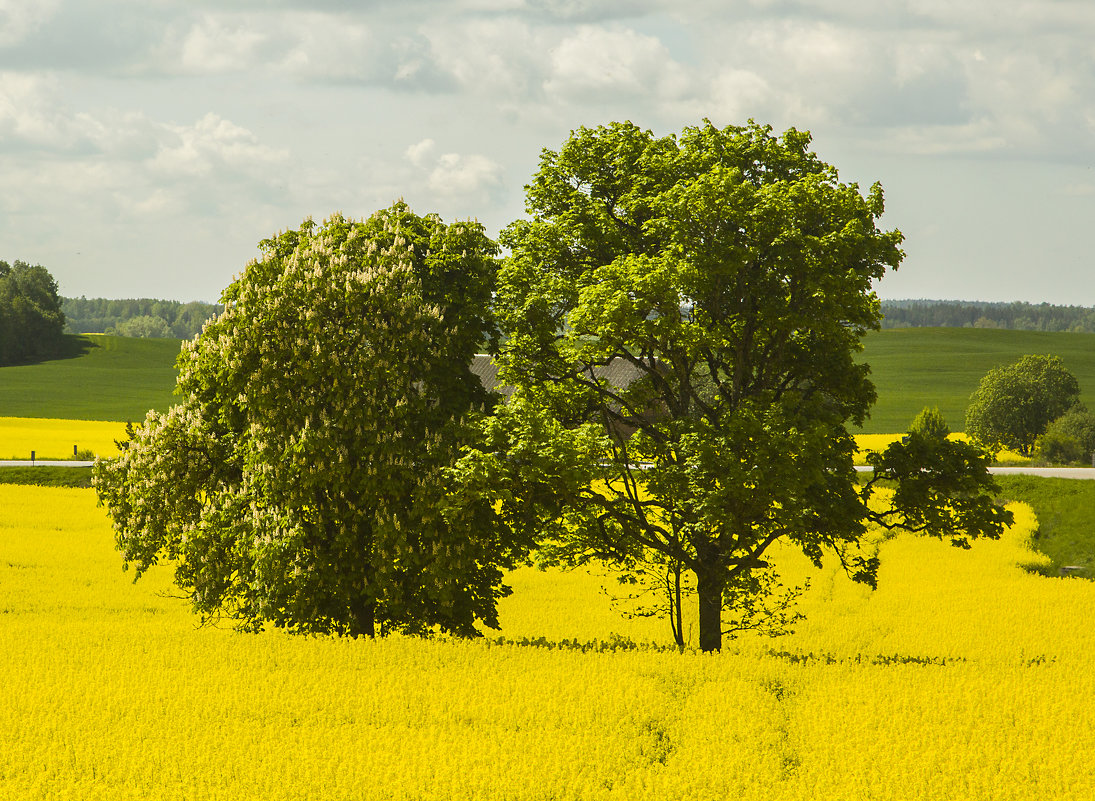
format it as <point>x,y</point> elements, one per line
<point>738,94</point>
<point>453,175</point>
<point>456,174</point>
<point>218,43</point>
<point>419,154</point>
<point>213,145</point>
<point>501,57</point>
<point>329,46</point>
<point>597,64</point>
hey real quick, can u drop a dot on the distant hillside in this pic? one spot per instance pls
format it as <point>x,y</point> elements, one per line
<point>117,378</point>
<point>978,314</point>
<point>137,317</point>
<point>917,367</point>
<point>107,378</point>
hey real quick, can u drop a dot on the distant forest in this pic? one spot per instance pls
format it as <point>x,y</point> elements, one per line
<point>145,317</point>
<point>136,317</point>
<point>976,314</point>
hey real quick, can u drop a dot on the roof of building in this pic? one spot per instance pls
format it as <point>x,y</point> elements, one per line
<point>618,372</point>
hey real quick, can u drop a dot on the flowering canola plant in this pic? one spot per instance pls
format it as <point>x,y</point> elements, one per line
<point>961,676</point>
<point>878,442</point>
<point>50,438</point>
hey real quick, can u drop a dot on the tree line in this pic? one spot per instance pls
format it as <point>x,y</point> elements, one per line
<point>137,317</point>
<point>31,320</point>
<point>1018,316</point>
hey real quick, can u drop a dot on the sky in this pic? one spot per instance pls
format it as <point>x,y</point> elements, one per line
<point>147,146</point>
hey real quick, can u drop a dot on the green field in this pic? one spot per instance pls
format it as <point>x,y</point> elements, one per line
<point>110,378</point>
<point>1065,509</point>
<point>118,378</point>
<point>917,367</point>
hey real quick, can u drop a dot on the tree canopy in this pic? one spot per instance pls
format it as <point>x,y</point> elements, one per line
<point>31,320</point>
<point>1013,405</point>
<point>733,272</point>
<point>299,481</point>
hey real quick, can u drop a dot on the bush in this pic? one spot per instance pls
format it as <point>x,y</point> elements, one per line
<point>1058,448</point>
<point>1079,424</point>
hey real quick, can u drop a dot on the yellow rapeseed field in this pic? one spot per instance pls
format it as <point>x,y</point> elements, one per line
<point>961,677</point>
<point>54,439</point>
<point>878,442</point>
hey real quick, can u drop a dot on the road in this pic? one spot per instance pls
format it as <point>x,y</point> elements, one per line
<point>42,463</point>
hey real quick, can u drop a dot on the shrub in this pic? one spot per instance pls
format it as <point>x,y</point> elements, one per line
<point>930,423</point>
<point>1059,448</point>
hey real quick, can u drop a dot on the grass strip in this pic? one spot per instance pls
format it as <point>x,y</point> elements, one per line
<point>1065,508</point>
<point>47,476</point>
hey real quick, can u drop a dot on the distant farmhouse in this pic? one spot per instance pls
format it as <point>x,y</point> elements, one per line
<point>619,375</point>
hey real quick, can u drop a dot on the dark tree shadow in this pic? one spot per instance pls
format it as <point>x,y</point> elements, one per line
<point>72,346</point>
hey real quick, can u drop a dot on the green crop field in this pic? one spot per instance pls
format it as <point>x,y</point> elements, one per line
<point>111,378</point>
<point>117,378</point>
<point>917,367</point>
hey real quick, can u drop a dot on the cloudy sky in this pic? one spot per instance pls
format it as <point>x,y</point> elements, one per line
<point>146,146</point>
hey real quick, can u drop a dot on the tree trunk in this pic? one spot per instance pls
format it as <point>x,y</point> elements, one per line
<point>363,615</point>
<point>709,590</point>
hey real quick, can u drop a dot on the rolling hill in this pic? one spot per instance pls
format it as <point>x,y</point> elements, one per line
<point>118,378</point>
<point>111,378</point>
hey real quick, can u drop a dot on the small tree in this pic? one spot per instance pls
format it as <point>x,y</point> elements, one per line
<point>1014,405</point>
<point>732,271</point>
<point>299,481</point>
<point>930,423</point>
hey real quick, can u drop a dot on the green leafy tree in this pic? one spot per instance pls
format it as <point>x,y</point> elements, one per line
<point>1013,405</point>
<point>31,320</point>
<point>299,481</point>
<point>732,272</point>
<point>931,423</point>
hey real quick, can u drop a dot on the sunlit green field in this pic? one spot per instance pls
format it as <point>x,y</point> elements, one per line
<point>962,676</point>
<point>120,379</point>
<point>112,378</point>
<point>917,367</point>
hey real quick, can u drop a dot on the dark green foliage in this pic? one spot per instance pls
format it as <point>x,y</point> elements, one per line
<point>733,271</point>
<point>930,423</point>
<point>137,317</point>
<point>299,481</point>
<point>101,378</point>
<point>44,476</point>
<point>1077,426</point>
<point>942,488</point>
<point>31,320</point>
<point>1012,406</point>
<point>1056,447</point>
